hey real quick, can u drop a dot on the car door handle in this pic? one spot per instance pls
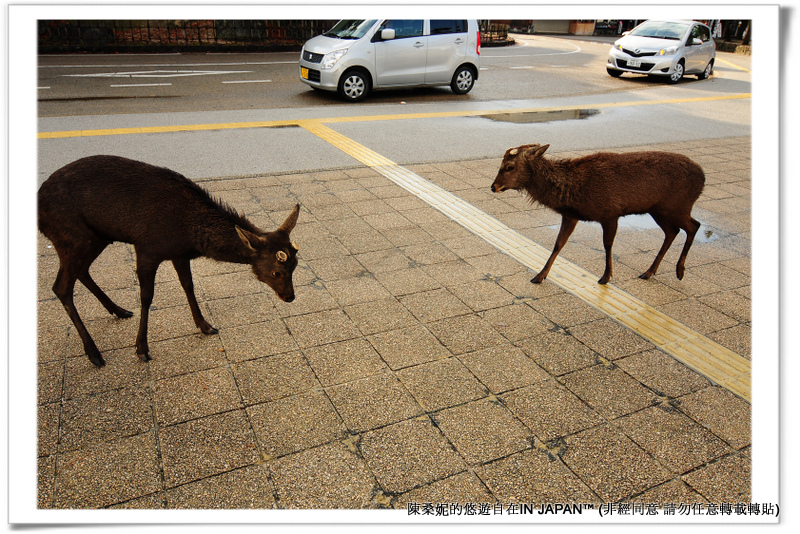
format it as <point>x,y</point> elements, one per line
<point>459,41</point>
<point>418,44</point>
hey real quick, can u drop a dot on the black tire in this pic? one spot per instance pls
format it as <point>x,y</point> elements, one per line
<point>707,72</point>
<point>463,80</point>
<point>354,85</point>
<point>677,75</point>
<point>614,72</point>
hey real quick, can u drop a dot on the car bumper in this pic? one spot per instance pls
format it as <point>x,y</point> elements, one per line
<point>659,65</point>
<point>310,74</point>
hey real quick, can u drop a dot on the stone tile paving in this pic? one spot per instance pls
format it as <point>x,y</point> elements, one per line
<point>417,364</point>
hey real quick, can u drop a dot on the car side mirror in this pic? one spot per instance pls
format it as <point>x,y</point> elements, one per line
<point>696,42</point>
<point>387,34</point>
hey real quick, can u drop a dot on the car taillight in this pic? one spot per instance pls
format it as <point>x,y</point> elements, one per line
<point>478,48</point>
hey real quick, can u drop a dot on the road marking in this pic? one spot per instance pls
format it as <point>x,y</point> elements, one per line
<point>524,43</point>
<point>370,118</point>
<point>156,73</point>
<point>156,65</point>
<point>734,65</point>
<point>139,84</point>
<point>717,363</point>
<point>248,81</point>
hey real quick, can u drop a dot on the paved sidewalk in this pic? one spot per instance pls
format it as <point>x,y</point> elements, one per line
<point>417,364</point>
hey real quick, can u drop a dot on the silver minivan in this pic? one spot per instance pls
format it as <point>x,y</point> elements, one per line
<point>358,56</point>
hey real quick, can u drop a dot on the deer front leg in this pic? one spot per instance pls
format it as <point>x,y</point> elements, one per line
<point>146,271</point>
<point>609,233</point>
<point>184,270</point>
<point>567,226</point>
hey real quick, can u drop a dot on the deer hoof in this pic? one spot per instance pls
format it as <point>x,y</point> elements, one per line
<point>645,276</point>
<point>144,357</point>
<point>123,314</point>
<point>603,281</point>
<point>96,359</point>
<point>538,279</point>
<point>208,330</point>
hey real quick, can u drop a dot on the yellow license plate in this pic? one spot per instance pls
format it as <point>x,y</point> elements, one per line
<point>304,73</point>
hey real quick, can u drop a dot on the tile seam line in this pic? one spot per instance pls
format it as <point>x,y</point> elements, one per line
<point>371,118</point>
<point>721,374</point>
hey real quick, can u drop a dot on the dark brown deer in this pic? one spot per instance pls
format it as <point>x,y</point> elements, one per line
<point>92,202</point>
<point>605,186</point>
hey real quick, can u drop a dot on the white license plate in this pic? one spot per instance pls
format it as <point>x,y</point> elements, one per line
<point>304,73</point>
<point>634,62</point>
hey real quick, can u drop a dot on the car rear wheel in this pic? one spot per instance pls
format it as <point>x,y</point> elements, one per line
<point>463,80</point>
<point>706,74</point>
<point>677,74</point>
<point>354,85</point>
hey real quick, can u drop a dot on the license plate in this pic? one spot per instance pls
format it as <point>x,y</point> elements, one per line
<point>304,73</point>
<point>634,62</point>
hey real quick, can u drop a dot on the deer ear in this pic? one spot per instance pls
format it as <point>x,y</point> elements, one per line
<point>248,238</point>
<point>291,220</point>
<point>536,151</point>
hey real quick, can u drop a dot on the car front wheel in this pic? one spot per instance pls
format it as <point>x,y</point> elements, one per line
<point>463,80</point>
<point>354,85</point>
<point>677,74</point>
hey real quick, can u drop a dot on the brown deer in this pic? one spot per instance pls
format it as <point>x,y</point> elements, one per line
<point>94,201</point>
<point>605,186</point>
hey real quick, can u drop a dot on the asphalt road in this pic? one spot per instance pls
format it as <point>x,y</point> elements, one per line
<point>81,85</point>
<point>542,72</point>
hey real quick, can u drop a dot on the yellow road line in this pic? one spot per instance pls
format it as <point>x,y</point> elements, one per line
<point>370,118</point>
<point>734,65</point>
<point>717,363</point>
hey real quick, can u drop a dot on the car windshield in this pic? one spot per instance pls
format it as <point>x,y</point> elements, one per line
<point>661,30</point>
<point>350,29</point>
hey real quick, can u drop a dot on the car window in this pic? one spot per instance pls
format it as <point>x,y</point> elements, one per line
<point>350,29</point>
<point>439,27</point>
<point>661,30</point>
<point>403,28</point>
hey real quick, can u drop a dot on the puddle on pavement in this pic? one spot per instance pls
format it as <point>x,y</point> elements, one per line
<point>646,222</point>
<point>527,117</point>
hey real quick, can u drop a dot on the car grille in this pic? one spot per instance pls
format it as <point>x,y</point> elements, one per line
<point>633,53</point>
<point>621,63</point>
<point>313,75</point>
<point>311,57</point>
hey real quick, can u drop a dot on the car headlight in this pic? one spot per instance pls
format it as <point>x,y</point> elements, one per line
<point>330,59</point>
<point>618,46</point>
<point>668,51</point>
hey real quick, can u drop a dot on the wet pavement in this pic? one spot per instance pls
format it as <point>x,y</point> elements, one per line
<point>418,364</point>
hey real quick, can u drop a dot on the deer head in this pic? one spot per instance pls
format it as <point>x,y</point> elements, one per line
<point>274,256</point>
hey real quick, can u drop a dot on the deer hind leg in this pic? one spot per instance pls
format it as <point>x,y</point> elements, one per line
<point>567,226</point>
<point>184,270</point>
<point>691,230</point>
<point>72,264</point>
<point>90,284</point>
<point>670,231</point>
<point>609,233</point>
